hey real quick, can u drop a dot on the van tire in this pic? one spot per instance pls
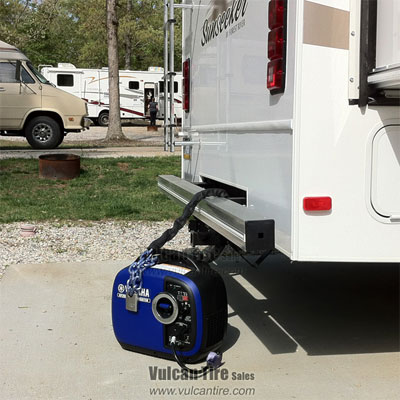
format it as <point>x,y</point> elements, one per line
<point>61,140</point>
<point>43,133</point>
<point>103,119</point>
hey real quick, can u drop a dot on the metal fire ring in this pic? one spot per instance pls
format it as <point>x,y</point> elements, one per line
<point>59,166</point>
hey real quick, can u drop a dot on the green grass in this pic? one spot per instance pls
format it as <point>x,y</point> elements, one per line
<point>108,188</point>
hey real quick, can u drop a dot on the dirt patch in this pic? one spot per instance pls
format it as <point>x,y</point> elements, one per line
<point>60,185</point>
<point>123,166</point>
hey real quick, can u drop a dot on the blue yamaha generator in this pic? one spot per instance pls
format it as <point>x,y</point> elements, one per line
<point>170,305</point>
<point>180,299</point>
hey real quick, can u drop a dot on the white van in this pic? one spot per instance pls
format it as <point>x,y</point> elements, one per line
<point>32,107</point>
<point>292,106</point>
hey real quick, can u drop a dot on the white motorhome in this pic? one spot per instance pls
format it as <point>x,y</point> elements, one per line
<point>292,106</point>
<point>136,90</point>
<point>31,107</point>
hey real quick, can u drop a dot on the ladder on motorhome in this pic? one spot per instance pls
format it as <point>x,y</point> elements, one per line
<point>170,120</point>
<point>169,75</point>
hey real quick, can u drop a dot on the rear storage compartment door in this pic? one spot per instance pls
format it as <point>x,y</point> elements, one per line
<point>385,187</point>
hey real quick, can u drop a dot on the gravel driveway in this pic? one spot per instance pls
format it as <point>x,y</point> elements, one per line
<point>81,241</point>
<point>141,143</point>
<point>138,133</point>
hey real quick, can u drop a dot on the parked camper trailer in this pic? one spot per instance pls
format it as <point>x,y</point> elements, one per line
<point>292,106</point>
<point>136,90</point>
<point>30,106</point>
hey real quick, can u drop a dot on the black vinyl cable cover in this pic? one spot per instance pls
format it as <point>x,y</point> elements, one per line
<point>187,213</point>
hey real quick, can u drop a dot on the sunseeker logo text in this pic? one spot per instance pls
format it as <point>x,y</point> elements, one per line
<point>224,20</point>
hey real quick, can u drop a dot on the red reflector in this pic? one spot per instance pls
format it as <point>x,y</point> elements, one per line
<point>275,74</point>
<point>186,85</point>
<point>275,43</point>
<point>275,13</point>
<point>317,203</point>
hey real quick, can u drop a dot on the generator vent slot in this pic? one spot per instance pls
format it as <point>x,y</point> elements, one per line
<point>215,327</point>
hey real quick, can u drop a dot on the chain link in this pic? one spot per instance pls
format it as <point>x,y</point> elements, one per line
<point>136,269</point>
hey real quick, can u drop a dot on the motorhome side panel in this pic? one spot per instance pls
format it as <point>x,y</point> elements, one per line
<point>131,94</point>
<point>346,152</point>
<point>93,91</point>
<point>239,134</point>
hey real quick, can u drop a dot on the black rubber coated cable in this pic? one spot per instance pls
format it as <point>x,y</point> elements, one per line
<point>169,234</point>
<point>187,213</point>
<point>196,372</point>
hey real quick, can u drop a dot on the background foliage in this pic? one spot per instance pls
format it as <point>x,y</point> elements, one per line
<point>53,31</point>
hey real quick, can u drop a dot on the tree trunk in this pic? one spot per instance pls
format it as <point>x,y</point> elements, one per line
<point>127,39</point>
<point>114,131</point>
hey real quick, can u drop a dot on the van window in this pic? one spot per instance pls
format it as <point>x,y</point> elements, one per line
<point>162,86</point>
<point>7,72</point>
<point>65,80</point>
<point>38,75</point>
<point>26,78</point>
<point>133,84</point>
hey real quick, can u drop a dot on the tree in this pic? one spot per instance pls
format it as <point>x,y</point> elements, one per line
<point>114,130</point>
<point>50,33</point>
<point>127,37</point>
<point>13,13</point>
<point>53,31</point>
<point>92,31</point>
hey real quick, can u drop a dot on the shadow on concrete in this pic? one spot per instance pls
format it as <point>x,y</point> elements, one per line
<point>231,337</point>
<point>325,308</point>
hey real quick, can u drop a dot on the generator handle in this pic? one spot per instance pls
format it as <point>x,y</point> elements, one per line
<point>165,255</point>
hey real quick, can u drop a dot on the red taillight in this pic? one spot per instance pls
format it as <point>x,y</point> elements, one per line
<point>317,204</point>
<point>275,74</point>
<point>276,12</point>
<point>275,43</point>
<point>276,46</point>
<point>186,85</point>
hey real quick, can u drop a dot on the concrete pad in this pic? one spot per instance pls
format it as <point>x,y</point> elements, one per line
<point>296,331</point>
